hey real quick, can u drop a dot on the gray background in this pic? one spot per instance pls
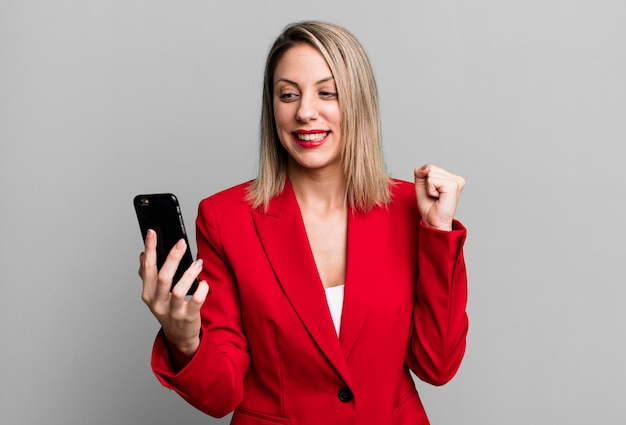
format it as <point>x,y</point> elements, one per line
<point>101,100</point>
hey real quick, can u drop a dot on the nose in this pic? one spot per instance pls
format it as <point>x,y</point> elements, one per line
<point>307,108</point>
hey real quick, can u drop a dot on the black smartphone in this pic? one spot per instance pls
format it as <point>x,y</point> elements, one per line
<point>161,213</point>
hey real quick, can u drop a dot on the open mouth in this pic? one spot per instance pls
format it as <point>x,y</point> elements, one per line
<point>311,137</point>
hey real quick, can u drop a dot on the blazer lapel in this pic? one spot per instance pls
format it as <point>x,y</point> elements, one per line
<point>283,236</point>
<point>367,236</point>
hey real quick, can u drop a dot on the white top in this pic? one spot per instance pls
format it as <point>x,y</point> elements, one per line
<point>334,297</point>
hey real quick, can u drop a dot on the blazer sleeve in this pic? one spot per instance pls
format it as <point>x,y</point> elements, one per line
<point>440,324</point>
<point>213,379</point>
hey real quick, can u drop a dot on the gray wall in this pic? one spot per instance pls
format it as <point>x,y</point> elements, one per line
<point>101,100</point>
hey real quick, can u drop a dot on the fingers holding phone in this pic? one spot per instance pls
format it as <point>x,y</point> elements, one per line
<point>160,215</point>
<point>170,276</point>
<point>158,281</point>
<point>177,312</point>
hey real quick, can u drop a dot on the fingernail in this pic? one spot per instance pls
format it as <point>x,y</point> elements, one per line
<point>424,167</point>
<point>151,232</point>
<point>180,244</point>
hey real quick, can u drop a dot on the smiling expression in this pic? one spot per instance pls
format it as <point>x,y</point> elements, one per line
<point>306,110</point>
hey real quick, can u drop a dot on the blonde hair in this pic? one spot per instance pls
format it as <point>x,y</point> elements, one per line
<point>367,181</point>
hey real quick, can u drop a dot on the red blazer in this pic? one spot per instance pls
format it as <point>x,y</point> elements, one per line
<point>268,347</point>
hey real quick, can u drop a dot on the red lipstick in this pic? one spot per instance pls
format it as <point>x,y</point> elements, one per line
<point>310,138</point>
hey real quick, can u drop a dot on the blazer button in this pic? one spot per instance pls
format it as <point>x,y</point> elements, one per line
<point>345,395</point>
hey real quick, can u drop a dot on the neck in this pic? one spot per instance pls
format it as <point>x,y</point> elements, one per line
<point>322,190</point>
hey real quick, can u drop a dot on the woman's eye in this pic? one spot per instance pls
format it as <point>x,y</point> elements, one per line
<point>328,95</point>
<point>286,97</point>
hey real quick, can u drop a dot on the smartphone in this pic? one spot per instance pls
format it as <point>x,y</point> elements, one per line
<point>161,213</point>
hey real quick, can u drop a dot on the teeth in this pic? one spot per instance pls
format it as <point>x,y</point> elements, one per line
<point>314,137</point>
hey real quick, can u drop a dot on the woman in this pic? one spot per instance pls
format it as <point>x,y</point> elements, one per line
<point>329,281</point>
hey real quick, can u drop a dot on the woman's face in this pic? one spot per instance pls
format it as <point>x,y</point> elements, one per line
<point>306,110</point>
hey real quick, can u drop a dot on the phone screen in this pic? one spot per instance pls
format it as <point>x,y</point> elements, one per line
<point>161,213</point>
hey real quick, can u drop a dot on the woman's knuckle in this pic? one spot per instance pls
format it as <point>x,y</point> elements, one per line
<point>178,292</point>
<point>158,310</point>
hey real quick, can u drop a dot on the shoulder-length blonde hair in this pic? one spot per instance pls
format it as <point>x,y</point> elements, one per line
<point>367,181</point>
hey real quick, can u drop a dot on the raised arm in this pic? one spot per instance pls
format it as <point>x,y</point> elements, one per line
<point>437,343</point>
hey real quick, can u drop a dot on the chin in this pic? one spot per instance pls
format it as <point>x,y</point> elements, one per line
<point>318,165</point>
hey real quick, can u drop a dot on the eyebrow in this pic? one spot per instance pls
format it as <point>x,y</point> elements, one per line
<point>286,80</point>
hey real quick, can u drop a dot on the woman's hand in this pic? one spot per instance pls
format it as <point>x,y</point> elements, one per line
<point>438,193</point>
<point>178,315</point>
